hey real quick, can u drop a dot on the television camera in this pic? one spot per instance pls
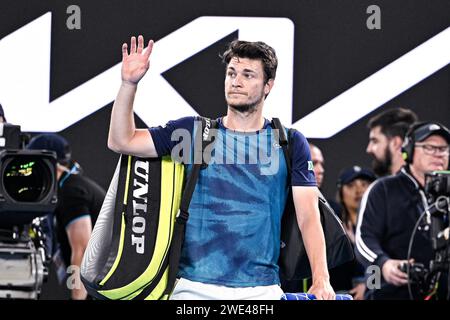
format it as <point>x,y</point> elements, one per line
<point>436,224</point>
<point>28,192</point>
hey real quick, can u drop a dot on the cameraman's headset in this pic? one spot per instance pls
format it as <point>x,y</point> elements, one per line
<point>434,128</point>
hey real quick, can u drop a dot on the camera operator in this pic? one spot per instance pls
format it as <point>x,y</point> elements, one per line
<point>391,207</point>
<point>79,202</point>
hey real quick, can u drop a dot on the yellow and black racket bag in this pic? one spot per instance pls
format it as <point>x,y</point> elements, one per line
<point>127,255</point>
<point>135,246</point>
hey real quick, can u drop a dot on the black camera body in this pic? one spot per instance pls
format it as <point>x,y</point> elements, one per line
<point>28,186</point>
<point>437,184</point>
<point>11,136</point>
<point>28,192</point>
<point>437,213</point>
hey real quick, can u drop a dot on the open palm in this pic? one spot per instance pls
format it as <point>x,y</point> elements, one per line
<point>136,63</point>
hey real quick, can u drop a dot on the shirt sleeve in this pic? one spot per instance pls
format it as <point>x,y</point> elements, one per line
<point>302,167</point>
<point>167,137</point>
<point>74,204</point>
<point>370,227</point>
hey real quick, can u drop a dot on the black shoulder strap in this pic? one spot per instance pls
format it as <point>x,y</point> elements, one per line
<point>203,133</point>
<point>284,142</point>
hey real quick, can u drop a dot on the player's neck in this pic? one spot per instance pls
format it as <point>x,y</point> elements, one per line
<point>243,121</point>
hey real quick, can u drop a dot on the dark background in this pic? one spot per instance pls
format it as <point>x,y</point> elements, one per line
<point>334,50</point>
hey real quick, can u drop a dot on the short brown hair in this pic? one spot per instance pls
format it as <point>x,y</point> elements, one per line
<point>253,50</point>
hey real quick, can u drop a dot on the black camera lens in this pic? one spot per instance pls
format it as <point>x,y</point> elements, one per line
<point>27,179</point>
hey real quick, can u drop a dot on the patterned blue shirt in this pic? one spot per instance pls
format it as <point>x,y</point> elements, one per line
<point>233,231</point>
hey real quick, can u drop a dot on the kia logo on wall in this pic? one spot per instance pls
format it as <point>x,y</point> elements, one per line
<point>25,78</point>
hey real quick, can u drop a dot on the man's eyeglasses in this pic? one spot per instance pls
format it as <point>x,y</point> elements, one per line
<point>430,149</point>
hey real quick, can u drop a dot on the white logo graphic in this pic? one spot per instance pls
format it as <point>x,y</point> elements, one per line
<point>377,89</point>
<point>25,73</point>
<point>25,77</point>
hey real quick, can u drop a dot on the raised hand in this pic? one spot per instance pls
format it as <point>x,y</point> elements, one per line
<point>136,63</point>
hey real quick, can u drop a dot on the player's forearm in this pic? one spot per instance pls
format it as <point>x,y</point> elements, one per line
<point>315,246</point>
<point>122,126</point>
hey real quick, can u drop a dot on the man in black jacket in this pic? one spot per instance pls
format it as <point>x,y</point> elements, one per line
<point>391,207</point>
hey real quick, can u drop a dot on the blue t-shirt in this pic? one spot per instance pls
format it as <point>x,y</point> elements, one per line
<point>233,231</point>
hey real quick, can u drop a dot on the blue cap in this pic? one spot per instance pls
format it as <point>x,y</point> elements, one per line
<point>52,142</point>
<point>349,174</point>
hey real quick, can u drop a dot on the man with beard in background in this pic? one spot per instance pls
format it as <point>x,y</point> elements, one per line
<point>389,214</point>
<point>387,131</point>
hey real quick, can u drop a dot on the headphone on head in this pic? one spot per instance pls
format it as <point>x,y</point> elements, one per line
<point>409,142</point>
<point>410,137</point>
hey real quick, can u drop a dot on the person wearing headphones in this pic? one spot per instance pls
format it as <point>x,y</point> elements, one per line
<point>79,203</point>
<point>391,207</point>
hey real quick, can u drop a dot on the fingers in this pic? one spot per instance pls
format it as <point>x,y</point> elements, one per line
<point>358,296</point>
<point>149,49</point>
<point>124,50</point>
<point>331,295</point>
<point>140,46</point>
<point>322,290</point>
<point>398,277</point>
<point>393,274</point>
<point>397,272</point>
<point>133,45</point>
<point>139,49</point>
<point>401,275</point>
<point>398,281</point>
<point>323,294</point>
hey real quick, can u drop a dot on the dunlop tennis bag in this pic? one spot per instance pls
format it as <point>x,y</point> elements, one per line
<point>293,261</point>
<point>136,243</point>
